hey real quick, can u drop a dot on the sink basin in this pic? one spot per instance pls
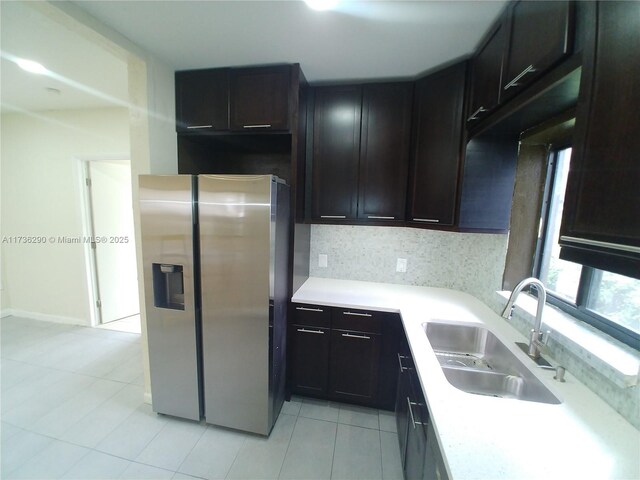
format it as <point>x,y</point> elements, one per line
<point>474,360</point>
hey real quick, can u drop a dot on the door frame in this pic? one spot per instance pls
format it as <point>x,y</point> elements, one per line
<point>86,210</point>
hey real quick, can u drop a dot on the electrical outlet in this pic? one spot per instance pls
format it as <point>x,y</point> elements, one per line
<point>401,265</point>
<point>322,260</point>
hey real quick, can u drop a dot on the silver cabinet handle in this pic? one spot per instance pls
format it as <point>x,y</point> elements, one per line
<point>376,217</point>
<point>413,420</point>
<point>474,115</point>
<point>357,314</point>
<point>514,82</point>
<point>266,125</point>
<point>333,216</point>
<point>428,220</point>
<point>364,337</point>
<point>194,127</point>
<point>304,330</point>
<point>402,367</point>
<point>595,243</point>
<point>307,309</point>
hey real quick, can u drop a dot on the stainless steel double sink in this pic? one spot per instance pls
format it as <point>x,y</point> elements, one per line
<point>474,360</point>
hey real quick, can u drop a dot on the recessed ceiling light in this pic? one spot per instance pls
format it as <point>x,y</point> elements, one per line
<point>31,66</point>
<point>321,4</point>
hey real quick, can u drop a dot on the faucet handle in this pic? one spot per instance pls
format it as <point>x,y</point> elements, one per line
<point>544,337</point>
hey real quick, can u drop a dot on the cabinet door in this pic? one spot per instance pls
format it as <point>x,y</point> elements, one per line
<point>541,35</point>
<point>309,359</point>
<point>384,151</point>
<point>260,98</point>
<point>415,456</point>
<point>354,366</point>
<point>437,146</point>
<point>402,406</point>
<point>434,467</point>
<point>202,100</point>
<point>487,74</point>
<point>336,152</point>
<point>601,223</point>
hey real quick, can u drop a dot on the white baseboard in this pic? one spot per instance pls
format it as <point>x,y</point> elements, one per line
<point>147,397</point>
<point>6,312</point>
<point>46,317</point>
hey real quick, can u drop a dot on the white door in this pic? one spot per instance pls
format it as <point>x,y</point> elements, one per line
<point>115,251</point>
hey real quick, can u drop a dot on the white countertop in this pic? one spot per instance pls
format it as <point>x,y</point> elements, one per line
<point>495,438</point>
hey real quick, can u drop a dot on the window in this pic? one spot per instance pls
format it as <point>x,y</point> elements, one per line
<point>606,300</point>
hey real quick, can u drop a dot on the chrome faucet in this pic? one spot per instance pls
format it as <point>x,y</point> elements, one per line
<point>537,339</point>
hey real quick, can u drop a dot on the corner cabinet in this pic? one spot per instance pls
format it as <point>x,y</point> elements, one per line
<point>437,147</point>
<point>601,219</point>
<point>361,139</point>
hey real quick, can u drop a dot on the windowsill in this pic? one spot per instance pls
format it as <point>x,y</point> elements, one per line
<point>617,361</point>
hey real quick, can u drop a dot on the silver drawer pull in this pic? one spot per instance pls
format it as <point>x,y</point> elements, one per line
<point>355,314</point>
<point>307,309</point>
<point>514,82</point>
<point>402,367</point>
<point>474,115</point>
<point>304,330</point>
<point>194,127</point>
<point>364,337</point>
<point>428,220</point>
<point>413,421</point>
<point>266,125</point>
<point>333,216</point>
<point>376,217</point>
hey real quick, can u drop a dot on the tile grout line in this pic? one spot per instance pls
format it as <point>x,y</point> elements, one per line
<point>206,427</point>
<point>288,444</point>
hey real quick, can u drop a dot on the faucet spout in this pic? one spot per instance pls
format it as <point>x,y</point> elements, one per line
<point>537,339</point>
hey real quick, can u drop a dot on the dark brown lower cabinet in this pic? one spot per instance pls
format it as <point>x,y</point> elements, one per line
<point>354,364</point>
<point>346,355</point>
<point>309,359</point>
<point>419,451</point>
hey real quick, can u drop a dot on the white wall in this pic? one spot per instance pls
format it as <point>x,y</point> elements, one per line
<point>41,191</point>
<point>471,262</point>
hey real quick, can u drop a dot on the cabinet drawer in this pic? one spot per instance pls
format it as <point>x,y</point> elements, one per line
<point>357,320</point>
<point>312,315</point>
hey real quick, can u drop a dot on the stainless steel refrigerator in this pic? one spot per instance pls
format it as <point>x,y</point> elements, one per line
<point>215,254</point>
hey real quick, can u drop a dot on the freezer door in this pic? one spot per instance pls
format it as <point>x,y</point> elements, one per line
<point>167,254</point>
<point>235,250</point>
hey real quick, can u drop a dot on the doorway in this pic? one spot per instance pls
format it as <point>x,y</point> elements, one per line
<point>111,241</point>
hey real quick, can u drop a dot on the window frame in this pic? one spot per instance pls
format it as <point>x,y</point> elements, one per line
<point>588,275</point>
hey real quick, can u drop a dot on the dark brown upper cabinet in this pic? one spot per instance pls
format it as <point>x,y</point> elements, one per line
<point>601,219</point>
<point>361,141</point>
<point>433,178</point>
<point>336,151</point>
<point>384,151</point>
<point>540,35</point>
<point>259,98</point>
<point>486,67</point>
<point>202,100</point>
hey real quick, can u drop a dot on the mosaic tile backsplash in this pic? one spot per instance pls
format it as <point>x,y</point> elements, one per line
<point>471,262</point>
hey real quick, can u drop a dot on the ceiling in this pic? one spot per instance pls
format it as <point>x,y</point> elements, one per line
<point>84,74</point>
<point>357,40</point>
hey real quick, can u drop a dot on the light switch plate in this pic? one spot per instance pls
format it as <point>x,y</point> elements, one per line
<point>322,260</point>
<point>401,265</point>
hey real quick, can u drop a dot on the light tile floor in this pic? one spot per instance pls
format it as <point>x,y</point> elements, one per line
<point>72,407</point>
